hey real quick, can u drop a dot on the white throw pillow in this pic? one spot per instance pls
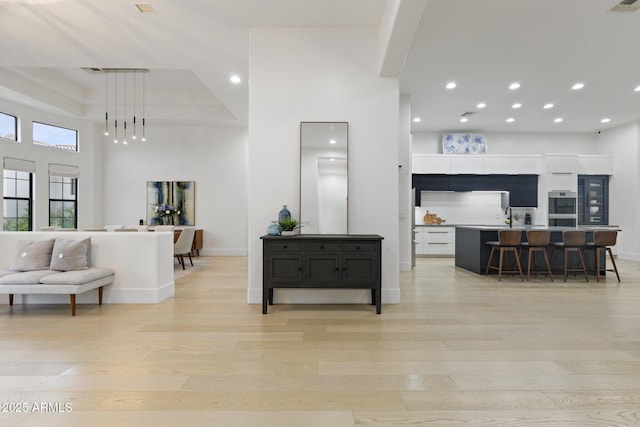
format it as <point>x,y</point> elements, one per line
<point>33,255</point>
<point>70,255</point>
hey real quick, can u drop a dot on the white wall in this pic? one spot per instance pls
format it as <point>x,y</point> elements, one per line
<point>622,144</point>
<point>86,159</point>
<point>322,75</point>
<point>406,201</point>
<point>213,157</point>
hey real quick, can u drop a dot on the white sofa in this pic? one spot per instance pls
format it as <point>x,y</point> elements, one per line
<point>142,262</point>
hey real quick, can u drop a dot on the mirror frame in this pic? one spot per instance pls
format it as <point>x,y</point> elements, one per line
<point>346,142</point>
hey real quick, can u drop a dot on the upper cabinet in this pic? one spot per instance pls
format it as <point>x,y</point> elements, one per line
<point>487,164</point>
<point>562,163</point>
<point>481,164</point>
<point>595,165</point>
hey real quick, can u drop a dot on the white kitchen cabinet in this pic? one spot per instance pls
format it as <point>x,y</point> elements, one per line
<point>595,164</point>
<point>562,163</point>
<point>512,165</point>
<point>481,164</point>
<point>435,241</point>
<point>467,164</point>
<point>431,163</point>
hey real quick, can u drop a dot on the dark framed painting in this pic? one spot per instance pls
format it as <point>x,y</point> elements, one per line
<point>171,202</point>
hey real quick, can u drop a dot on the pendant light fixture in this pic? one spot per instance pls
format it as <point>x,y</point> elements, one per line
<point>129,102</point>
<point>106,105</point>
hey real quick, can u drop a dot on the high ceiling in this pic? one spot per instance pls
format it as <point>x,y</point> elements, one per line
<point>192,48</point>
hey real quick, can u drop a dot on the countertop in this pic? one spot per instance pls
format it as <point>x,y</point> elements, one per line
<point>538,227</point>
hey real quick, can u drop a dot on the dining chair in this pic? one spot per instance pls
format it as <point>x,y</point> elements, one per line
<point>183,245</point>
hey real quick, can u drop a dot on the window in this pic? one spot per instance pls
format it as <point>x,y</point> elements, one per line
<point>55,137</point>
<point>63,201</point>
<point>8,127</point>
<point>18,200</point>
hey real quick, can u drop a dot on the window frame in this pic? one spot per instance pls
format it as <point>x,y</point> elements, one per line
<point>63,201</point>
<point>15,127</point>
<point>17,199</point>
<point>45,144</point>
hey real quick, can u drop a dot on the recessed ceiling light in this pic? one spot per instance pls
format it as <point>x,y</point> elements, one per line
<point>481,105</point>
<point>516,105</point>
<point>333,159</point>
<point>451,85</point>
<point>577,86</point>
<point>557,120</point>
<point>235,79</point>
<point>332,141</point>
<point>547,106</point>
<point>511,120</point>
<point>637,89</point>
<point>417,120</point>
<point>464,120</point>
<point>605,120</point>
<point>514,86</point>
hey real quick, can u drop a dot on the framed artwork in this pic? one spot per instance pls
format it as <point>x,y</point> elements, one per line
<point>176,197</point>
<point>464,143</point>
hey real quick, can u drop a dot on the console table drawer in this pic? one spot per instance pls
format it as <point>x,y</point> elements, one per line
<point>321,247</point>
<point>284,246</point>
<point>360,247</point>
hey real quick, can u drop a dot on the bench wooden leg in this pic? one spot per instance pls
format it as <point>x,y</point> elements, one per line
<point>73,304</point>
<point>10,299</point>
<point>100,295</point>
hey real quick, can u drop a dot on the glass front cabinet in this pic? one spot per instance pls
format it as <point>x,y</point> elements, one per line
<point>593,200</point>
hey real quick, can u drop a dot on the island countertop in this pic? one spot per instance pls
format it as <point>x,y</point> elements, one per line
<point>587,228</point>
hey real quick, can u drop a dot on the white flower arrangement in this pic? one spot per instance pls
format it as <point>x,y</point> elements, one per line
<point>165,209</point>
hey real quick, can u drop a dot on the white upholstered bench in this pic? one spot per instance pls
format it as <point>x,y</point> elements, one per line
<point>71,283</point>
<point>54,266</point>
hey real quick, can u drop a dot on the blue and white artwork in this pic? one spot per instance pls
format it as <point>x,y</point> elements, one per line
<point>464,143</point>
<point>179,194</point>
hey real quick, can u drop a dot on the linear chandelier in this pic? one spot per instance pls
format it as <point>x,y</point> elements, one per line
<point>127,99</point>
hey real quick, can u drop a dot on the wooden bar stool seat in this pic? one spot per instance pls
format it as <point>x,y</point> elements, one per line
<point>537,241</point>
<point>508,242</point>
<point>603,240</point>
<point>573,241</point>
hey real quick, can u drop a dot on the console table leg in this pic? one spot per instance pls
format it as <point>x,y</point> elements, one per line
<point>264,301</point>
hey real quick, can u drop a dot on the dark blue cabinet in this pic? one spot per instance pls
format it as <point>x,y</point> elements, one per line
<point>523,189</point>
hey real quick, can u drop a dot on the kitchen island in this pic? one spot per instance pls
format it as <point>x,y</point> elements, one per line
<point>472,252</point>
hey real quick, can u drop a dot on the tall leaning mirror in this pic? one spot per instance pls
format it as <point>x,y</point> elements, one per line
<point>324,180</point>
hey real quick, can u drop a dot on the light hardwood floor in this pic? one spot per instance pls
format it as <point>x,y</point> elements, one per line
<point>460,349</point>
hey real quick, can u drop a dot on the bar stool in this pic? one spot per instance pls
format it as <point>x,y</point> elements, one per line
<point>537,241</point>
<point>508,242</point>
<point>603,240</point>
<point>572,241</point>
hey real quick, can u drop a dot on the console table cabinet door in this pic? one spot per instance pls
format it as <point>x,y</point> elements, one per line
<point>359,271</point>
<point>321,269</point>
<point>283,268</point>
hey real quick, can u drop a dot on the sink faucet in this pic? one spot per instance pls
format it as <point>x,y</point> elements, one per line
<point>510,211</point>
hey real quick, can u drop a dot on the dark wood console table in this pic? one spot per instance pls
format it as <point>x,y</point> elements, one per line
<point>322,261</point>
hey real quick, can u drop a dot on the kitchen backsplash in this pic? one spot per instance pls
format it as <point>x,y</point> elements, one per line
<point>471,208</point>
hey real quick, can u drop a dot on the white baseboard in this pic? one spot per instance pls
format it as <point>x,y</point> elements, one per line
<point>224,252</point>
